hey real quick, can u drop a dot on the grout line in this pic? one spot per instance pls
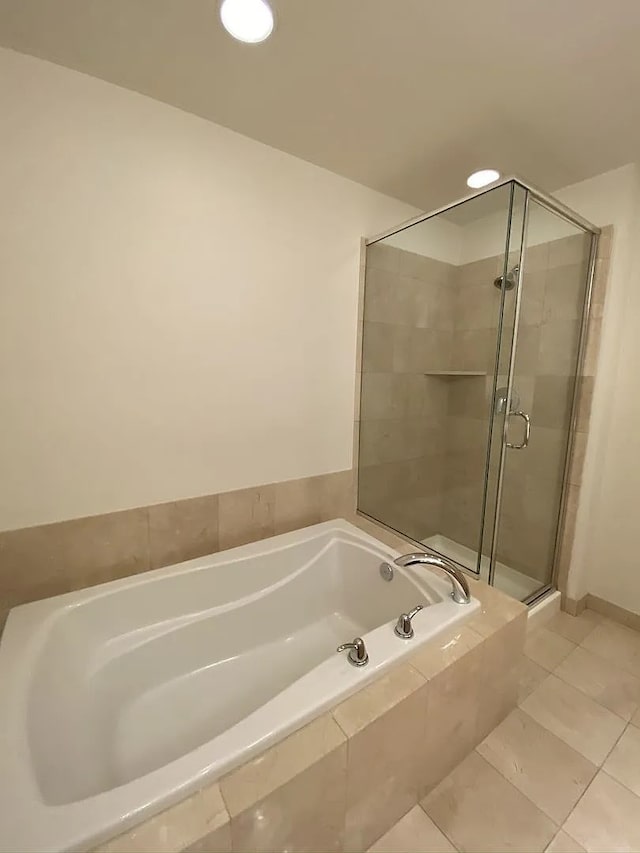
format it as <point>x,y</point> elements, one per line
<point>224,801</point>
<point>618,782</point>
<point>439,828</point>
<point>584,693</point>
<point>509,782</point>
<point>149,552</point>
<point>578,801</point>
<point>391,828</point>
<point>562,829</point>
<point>337,722</point>
<point>618,739</point>
<point>598,767</point>
<point>568,639</point>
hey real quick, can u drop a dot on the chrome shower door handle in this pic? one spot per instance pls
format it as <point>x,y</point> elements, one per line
<point>527,430</point>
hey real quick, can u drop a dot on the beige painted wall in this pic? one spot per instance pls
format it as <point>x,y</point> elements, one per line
<point>178,302</point>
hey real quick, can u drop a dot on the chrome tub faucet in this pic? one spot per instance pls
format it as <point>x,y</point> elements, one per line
<point>460,588</point>
<point>357,652</point>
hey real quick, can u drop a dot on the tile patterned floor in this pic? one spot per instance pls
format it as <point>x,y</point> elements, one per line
<point>562,772</point>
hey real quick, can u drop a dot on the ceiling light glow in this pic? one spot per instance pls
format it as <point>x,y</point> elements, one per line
<point>247,20</point>
<point>482,178</point>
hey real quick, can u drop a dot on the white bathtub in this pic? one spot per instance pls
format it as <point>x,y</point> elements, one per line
<point>121,699</point>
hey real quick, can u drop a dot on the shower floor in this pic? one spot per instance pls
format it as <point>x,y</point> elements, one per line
<point>507,580</point>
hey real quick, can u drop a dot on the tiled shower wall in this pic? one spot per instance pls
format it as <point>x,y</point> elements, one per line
<point>408,324</point>
<point>423,426</point>
<point>475,330</point>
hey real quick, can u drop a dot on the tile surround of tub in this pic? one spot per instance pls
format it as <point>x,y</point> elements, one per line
<point>274,768</point>
<point>345,778</point>
<point>38,562</point>
<point>306,813</point>
<point>182,530</point>
<point>383,769</point>
<point>198,823</point>
<point>415,833</point>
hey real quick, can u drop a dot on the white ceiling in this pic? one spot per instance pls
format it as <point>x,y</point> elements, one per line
<point>405,96</point>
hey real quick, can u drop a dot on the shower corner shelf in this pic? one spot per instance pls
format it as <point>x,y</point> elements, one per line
<point>446,373</point>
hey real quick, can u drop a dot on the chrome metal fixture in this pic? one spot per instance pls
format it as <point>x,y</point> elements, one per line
<point>527,431</point>
<point>510,280</point>
<point>404,628</point>
<point>460,588</point>
<point>386,572</point>
<point>357,652</point>
<point>502,397</point>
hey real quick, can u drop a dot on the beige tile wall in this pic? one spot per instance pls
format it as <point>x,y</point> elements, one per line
<point>423,438</point>
<point>343,780</point>
<point>407,331</point>
<point>475,332</point>
<point>37,562</point>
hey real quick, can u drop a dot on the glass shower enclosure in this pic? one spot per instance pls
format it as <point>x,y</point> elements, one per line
<point>473,337</point>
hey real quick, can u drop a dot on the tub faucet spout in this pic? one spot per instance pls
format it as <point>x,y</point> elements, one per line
<point>460,588</point>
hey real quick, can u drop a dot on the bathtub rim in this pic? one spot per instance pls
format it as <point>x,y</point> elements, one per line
<point>90,821</point>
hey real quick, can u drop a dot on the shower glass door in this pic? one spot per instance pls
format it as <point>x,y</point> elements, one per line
<point>530,458</point>
<point>437,328</point>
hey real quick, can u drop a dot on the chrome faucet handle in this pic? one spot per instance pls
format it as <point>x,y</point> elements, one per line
<point>404,628</point>
<point>357,652</point>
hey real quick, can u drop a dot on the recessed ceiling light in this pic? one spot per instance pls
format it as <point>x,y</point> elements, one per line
<point>482,178</point>
<point>247,20</point>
